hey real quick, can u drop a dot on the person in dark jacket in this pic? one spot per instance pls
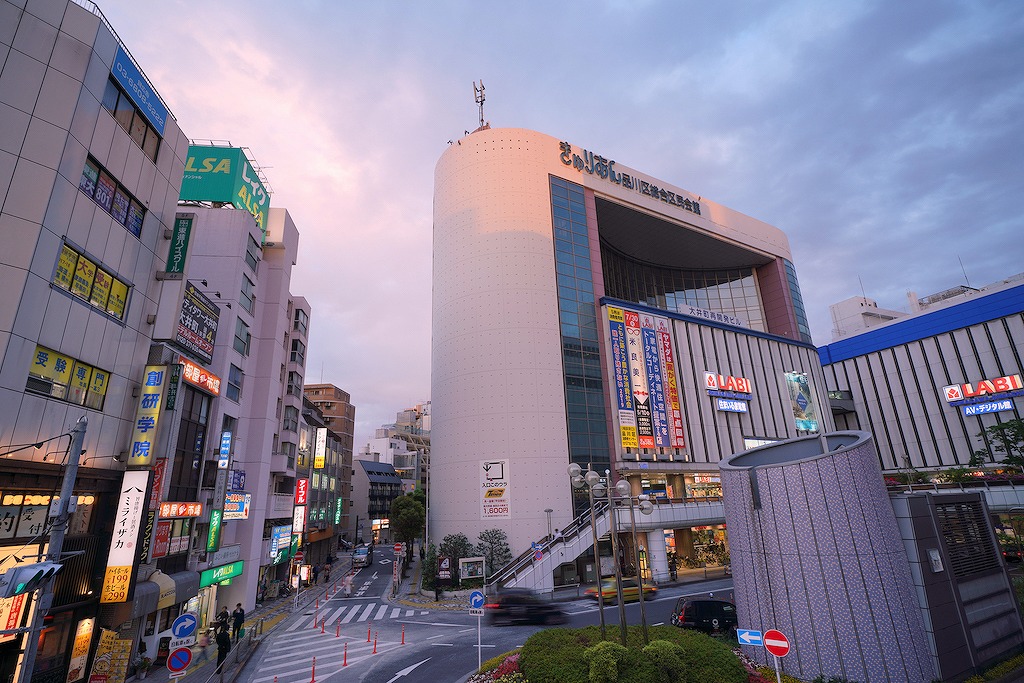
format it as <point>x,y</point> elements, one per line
<point>223,647</point>
<point>237,619</point>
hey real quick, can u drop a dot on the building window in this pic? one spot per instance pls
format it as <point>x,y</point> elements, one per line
<point>294,384</point>
<point>252,254</point>
<point>298,352</point>
<point>67,379</point>
<point>301,321</point>
<point>117,102</point>
<point>248,296</point>
<point>101,187</point>
<point>89,281</point>
<point>242,337</point>
<point>235,377</point>
<point>291,419</point>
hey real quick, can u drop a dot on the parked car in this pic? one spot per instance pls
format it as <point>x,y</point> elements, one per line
<point>709,616</point>
<point>1011,555</point>
<point>630,590</point>
<point>522,606</point>
<point>362,556</point>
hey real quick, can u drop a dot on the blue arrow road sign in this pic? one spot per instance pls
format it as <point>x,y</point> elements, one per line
<point>476,599</point>
<point>749,637</point>
<point>185,625</point>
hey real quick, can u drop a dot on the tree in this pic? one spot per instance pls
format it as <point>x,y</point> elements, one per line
<point>456,546</point>
<point>494,547</point>
<point>407,518</point>
<point>1007,439</point>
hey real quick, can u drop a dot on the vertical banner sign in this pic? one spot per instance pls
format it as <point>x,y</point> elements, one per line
<point>805,413</point>
<point>197,323</point>
<point>495,501</point>
<point>225,451</point>
<point>655,379</point>
<point>213,538</point>
<point>146,416</point>
<point>301,491</point>
<point>149,527</point>
<point>620,369</point>
<point>179,243</point>
<point>298,519</point>
<point>320,449</point>
<point>172,386</point>
<point>80,650</point>
<point>110,662</point>
<point>675,413</point>
<point>121,559</point>
<point>638,380</point>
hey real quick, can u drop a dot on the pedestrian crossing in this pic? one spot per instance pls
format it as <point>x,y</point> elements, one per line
<point>336,635</point>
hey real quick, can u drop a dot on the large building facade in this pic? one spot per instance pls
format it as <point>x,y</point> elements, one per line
<point>927,383</point>
<point>585,312</point>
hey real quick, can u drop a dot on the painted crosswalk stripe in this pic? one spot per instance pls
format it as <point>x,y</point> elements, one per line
<point>366,612</point>
<point>380,613</point>
<point>395,612</point>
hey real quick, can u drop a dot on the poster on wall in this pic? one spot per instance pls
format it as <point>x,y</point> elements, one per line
<point>111,659</point>
<point>805,413</point>
<point>668,366</point>
<point>655,381</point>
<point>495,501</point>
<point>638,379</point>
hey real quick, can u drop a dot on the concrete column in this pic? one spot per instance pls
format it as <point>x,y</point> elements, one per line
<point>657,558</point>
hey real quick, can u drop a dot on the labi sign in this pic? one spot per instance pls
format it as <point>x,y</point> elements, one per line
<point>223,174</point>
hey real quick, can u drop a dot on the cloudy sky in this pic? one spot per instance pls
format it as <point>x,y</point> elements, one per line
<point>885,138</point>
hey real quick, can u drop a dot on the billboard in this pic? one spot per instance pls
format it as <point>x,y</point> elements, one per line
<point>805,413</point>
<point>120,571</point>
<point>139,90</point>
<point>197,324</point>
<point>494,490</point>
<point>147,415</point>
<point>223,174</point>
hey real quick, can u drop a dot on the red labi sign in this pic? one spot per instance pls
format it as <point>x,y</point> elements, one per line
<point>999,385</point>
<point>301,491</point>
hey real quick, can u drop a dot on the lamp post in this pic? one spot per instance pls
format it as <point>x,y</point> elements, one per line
<point>646,507</point>
<point>548,512</point>
<point>578,482</point>
<point>600,491</point>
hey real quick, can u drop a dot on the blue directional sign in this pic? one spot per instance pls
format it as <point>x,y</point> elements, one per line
<point>476,599</point>
<point>747,636</point>
<point>185,625</point>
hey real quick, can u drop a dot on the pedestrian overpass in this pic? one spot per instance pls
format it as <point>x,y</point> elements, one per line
<point>535,567</point>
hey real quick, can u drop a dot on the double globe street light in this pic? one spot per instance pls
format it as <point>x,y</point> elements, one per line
<point>621,492</point>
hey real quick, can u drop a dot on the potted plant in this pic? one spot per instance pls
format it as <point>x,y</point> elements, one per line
<point>142,665</point>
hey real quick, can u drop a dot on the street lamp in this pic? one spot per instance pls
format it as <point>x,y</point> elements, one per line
<point>578,482</point>
<point>548,512</point>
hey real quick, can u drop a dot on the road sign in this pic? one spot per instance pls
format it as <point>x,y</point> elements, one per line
<point>185,625</point>
<point>776,642</point>
<point>747,636</point>
<point>476,612</point>
<point>298,557</point>
<point>476,600</point>
<point>179,660</point>
<point>398,548</point>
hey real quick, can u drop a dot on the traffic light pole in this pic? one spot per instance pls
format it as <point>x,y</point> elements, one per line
<point>55,547</point>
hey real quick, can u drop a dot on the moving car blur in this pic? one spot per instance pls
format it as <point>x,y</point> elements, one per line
<point>522,606</point>
<point>630,590</point>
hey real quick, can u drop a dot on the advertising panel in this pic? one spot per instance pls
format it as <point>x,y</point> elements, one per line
<point>655,380</point>
<point>675,411</point>
<point>301,491</point>
<point>620,370</point>
<point>280,536</point>
<point>147,415</point>
<point>218,574</point>
<point>198,376</point>
<point>120,571</point>
<point>495,500</point>
<point>179,244</point>
<point>80,650</point>
<point>139,90</point>
<point>224,174</point>
<point>320,449</point>
<point>178,510</point>
<point>161,540</point>
<point>236,505</point>
<point>110,663</point>
<point>298,519</point>
<point>805,414</point>
<point>638,380</point>
<point>225,451</point>
<point>213,537</point>
<point>197,323</point>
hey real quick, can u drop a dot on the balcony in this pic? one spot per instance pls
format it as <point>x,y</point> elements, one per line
<point>280,505</point>
<point>282,463</point>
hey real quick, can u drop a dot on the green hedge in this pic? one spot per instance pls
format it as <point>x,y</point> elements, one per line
<point>682,656</point>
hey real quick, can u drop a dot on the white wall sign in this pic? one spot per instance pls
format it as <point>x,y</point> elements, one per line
<point>495,501</point>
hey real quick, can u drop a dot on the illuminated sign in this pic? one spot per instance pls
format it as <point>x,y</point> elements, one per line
<point>955,393</point>
<point>179,243</point>
<point>236,505</point>
<point>122,555</point>
<point>729,405</point>
<point>146,416</point>
<point>279,536</point>
<point>594,164</point>
<point>213,538</point>
<point>197,323</point>
<point>80,650</point>
<point>225,451</point>
<point>320,449</point>
<point>298,519</point>
<point>805,414</point>
<point>223,174</point>
<point>218,574</point>
<point>991,407</point>
<point>198,376</point>
<point>724,383</point>
<point>168,510</point>
<point>301,491</point>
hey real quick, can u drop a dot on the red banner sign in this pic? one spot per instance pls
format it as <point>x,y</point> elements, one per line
<point>301,491</point>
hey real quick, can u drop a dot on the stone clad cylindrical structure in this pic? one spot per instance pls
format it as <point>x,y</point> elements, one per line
<point>816,553</point>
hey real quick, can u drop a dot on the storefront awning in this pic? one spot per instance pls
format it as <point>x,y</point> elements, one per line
<point>147,593</point>
<point>186,586</point>
<point>165,598</point>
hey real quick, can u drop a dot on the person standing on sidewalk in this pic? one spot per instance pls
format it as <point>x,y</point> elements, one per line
<point>223,647</point>
<point>204,647</point>
<point>238,618</point>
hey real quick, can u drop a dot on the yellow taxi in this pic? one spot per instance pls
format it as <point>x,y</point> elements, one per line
<point>630,590</point>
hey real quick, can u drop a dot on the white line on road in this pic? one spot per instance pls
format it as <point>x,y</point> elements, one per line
<point>380,613</point>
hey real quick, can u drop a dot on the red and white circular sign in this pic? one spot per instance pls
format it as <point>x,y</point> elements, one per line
<point>398,548</point>
<point>776,642</point>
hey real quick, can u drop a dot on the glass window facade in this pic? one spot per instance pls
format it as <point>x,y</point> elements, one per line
<point>798,302</point>
<point>732,292</point>
<point>581,356</point>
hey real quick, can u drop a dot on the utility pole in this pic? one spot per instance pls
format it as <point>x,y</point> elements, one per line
<point>59,528</point>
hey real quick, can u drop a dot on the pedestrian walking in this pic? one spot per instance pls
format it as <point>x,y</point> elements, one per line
<point>222,618</point>
<point>327,572</point>
<point>347,583</point>
<point>238,618</point>
<point>223,647</point>
<point>316,573</point>
<point>204,646</point>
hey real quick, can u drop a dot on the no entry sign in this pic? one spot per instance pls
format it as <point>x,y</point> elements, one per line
<point>776,642</point>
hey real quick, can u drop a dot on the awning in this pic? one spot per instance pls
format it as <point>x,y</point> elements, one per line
<point>186,585</point>
<point>146,595</point>
<point>165,598</point>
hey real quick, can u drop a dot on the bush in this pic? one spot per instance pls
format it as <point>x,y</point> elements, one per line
<point>669,658</point>
<point>603,662</point>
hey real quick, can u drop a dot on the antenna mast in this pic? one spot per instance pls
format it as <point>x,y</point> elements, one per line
<point>478,96</point>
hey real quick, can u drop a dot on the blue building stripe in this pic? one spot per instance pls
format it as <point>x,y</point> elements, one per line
<point>972,312</point>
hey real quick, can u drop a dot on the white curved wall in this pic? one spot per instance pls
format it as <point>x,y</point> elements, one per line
<point>496,389</point>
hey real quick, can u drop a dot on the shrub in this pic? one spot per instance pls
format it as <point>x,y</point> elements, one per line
<point>603,662</point>
<point>510,665</point>
<point>668,658</point>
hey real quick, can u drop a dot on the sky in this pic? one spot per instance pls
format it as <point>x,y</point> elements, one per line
<point>884,138</point>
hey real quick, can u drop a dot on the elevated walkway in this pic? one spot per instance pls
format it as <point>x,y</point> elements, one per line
<point>526,571</point>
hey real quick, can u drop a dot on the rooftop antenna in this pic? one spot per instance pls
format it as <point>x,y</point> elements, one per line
<point>478,96</point>
<point>966,279</point>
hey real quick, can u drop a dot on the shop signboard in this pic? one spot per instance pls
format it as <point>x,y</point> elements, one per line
<point>236,480</point>
<point>80,650</point>
<point>1009,384</point>
<point>218,574</point>
<point>320,449</point>
<point>301,491</point>
<point>213,537</point>
<point>110,663</point>
<point>225,451</point>
<point>178,510</point>
<point>224,174</point>
<point>236,505</point>
<point>161,540</point>
<point>121,559</point>
<point>139,90</point>
<point>179,243</point>
<point>279,539</point>
<point>199,377</point>
<point>147,415</point>
<point>495,498</point>
<point>197,323</point>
